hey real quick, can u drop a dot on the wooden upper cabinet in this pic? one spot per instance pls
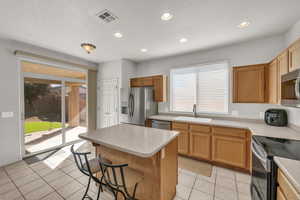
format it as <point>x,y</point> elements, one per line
<point>294,56</point>
<point>158,82</point>
<point>160,88</point>
<point>141,82</point>
<point>272,82</point>
<point>283,62</point>
<point>249,84</point>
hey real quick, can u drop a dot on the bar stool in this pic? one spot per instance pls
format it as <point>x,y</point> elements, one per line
<point>89,168</point>
<point>121,180</point>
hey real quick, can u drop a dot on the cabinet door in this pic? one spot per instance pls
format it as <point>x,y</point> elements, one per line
<point>229,150</point>
<point>283,68</point>
<point>200,145</point>
<point>249,84</point>
<point>136,82</point>
<point>147,81</point>
<point>183,138</point>
<point>272,83</point>
<point>280,195</point>
<point>294,56</point>
<point>160,84</point>
<point>183,142</point>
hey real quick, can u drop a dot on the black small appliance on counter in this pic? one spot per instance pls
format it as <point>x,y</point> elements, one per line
<point>276,117</point>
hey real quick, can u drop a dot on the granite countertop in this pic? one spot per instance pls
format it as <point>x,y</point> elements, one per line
<point>291,168</point>
<point>137,140</point>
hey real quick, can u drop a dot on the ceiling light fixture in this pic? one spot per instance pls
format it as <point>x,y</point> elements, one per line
<point>88,47</point>
<point>166,16</point>
<point>244,24</point>
<point>118,35</point>
<point>144,50</point>
<point>183,40</point>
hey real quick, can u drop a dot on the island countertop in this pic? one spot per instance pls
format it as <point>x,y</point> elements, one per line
<point>137,140</point>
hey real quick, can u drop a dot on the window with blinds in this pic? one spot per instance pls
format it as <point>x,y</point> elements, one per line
<point>204,85</point>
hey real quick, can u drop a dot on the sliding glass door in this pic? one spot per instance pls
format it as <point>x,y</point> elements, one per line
<point>43,125</point>
<point>54,108</point>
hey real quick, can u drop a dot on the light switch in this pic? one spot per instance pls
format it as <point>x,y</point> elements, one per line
<point>7,114</point>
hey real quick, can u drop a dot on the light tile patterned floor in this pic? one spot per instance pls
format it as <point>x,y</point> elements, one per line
<point>57,178</point>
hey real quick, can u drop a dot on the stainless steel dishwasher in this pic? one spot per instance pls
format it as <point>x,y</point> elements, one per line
<point>161,124</point>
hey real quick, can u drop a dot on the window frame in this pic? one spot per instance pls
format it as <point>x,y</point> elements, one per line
<point>194,68</point>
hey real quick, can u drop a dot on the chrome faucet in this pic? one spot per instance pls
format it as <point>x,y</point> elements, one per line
<point>195,110</point>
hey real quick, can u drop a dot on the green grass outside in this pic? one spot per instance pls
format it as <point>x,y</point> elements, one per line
<point>31,127</point>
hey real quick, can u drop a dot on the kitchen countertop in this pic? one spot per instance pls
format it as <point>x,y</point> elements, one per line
<point>257,128</point>
<point>137,140</point>
<point>291,168</point>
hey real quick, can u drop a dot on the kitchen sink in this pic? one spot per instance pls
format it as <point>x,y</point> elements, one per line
<point>193,119</point>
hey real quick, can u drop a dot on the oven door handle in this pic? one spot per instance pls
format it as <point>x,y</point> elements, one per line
<point>265,161</point>
<point>253,188</point>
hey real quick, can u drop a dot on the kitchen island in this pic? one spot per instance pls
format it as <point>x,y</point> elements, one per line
<point>152,152</point>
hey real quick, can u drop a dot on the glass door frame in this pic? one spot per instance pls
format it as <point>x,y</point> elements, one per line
<point>63,80</point>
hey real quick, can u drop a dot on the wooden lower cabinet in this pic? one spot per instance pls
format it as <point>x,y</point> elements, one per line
<point>200,145</point>
<point>183,142</point>
<point>286,190</point>
<point>280,195</point>
<point>219,145</point>
<point>230,150</point>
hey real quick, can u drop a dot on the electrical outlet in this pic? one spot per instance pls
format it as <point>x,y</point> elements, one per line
<point>261,115</point>
<point>7,114</point>
<point>235,113</point>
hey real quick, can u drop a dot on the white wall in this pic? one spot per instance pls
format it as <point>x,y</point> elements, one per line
<point>252,52</point>
<point>292,34</point>
<point>122,70</point>
<point>11,139</point>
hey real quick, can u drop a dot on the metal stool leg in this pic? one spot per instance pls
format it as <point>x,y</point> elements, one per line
<point>87,189</point>
<point>99,189</point>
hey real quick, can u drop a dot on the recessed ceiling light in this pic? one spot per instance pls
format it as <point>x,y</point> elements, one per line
<point>183,40</point>
<point>244,24</point>
<point>144,50</point>
<point>118,35</point>
<point>166,16</point>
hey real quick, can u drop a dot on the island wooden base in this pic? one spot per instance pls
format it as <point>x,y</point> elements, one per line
<point>160,171</point>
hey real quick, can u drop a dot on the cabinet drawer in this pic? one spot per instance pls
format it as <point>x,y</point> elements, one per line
<point>234,132</point>
<point>286,187</point>
<point>199,128</point>
<point>180,126</point>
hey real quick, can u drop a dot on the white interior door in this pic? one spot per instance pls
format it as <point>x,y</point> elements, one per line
<point>108,98</point>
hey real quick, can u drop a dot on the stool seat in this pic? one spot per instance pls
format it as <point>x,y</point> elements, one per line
<point>95,165</point>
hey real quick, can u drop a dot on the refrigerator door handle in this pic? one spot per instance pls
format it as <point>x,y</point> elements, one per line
<point>132,106</point>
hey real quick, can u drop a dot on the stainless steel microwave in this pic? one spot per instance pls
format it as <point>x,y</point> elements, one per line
<point>290,89</point>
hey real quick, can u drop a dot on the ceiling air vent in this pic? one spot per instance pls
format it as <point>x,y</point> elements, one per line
<point>107,16</point>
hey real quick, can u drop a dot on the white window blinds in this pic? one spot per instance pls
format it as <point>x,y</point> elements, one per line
<point>204,85</point>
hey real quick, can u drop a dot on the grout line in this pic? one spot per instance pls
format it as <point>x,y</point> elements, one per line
<point>14,183</point>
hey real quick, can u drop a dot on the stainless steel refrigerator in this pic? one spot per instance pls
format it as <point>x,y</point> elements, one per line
<point>141,105</point>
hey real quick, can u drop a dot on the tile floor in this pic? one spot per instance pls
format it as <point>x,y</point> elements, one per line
<point>57,178</point>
